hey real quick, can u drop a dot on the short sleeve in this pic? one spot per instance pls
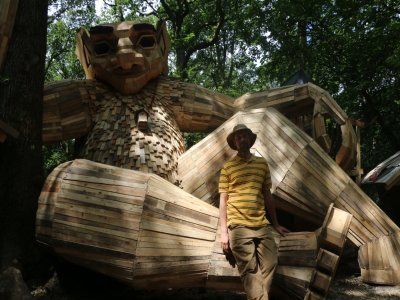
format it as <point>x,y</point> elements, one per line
<point>223,185</point>
<point>267,179</point>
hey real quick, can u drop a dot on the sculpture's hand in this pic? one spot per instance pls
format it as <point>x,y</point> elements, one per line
<point>281,230</point>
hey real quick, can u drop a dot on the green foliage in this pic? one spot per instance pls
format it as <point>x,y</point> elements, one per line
<point>192,139</point>
<point>66,17</point>
<point>349,48</point>
<point>118,11</point>
<point>57,153</point>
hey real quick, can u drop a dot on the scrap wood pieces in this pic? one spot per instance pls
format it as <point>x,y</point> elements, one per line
<point>307,261</point>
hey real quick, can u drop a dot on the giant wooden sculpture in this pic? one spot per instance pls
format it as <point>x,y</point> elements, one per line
<point>136,207</point>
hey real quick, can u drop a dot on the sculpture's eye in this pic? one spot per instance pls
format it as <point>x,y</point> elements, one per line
<point>102,48</point>
<point>147,42</point>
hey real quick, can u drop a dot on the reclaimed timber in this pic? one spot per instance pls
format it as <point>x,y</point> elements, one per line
<point>148,233</point>
<point>334,229</point>
<point>305,266</point>
<point>381,268</point>
<point>7,130</point>
<point>127,225</point>
<point>297,102</point>
<point>305,180</point>
<point>141,131</point>
<point>386,174</point>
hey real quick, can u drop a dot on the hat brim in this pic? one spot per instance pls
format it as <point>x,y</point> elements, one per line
<point>231,138</point>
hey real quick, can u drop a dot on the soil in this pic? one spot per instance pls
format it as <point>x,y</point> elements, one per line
<point>71,282</point>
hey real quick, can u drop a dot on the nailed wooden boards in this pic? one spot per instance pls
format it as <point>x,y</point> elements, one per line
<point>7,130</point>
<point>304,178</point>
<point>307,261</point>
<point>135,227</point>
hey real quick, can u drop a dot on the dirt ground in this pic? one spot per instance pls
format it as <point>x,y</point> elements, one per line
<point>75,283</point>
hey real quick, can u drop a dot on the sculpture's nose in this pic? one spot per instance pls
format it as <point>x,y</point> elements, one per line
<point>127,55</point>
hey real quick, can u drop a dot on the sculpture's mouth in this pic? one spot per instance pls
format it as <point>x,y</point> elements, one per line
<point>135,70</point>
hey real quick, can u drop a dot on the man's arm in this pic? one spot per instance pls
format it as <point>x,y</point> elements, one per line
<point>223,199</point>
<point>270,208</point>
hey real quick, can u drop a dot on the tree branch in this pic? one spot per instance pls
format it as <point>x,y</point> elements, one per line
<point>212,41</point>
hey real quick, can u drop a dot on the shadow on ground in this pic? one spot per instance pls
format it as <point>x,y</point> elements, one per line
<point>71,282</point>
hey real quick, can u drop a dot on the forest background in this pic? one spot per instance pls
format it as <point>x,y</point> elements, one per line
<point>350,48</point>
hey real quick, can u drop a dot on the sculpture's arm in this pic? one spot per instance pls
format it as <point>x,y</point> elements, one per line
<point>66,109</point>
<point>308,106</point>
<point>196,109</point>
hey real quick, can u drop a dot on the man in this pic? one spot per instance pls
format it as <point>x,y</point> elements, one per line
<point>245,198</point>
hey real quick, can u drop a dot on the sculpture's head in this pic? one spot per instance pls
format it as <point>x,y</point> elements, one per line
<point>125,55</point>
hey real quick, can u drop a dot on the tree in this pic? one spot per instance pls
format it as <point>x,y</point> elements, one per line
<point>349,48</point>
<point>20,106</point>
<point>65,19</point>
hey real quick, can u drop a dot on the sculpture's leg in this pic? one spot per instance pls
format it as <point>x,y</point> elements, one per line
<point>133,226</point>
<point>305,180</point>
<point>142,230</point>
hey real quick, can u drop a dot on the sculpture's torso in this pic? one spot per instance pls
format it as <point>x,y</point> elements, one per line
<point>116,139</point>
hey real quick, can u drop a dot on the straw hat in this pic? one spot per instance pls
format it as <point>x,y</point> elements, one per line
<point>231,137</point>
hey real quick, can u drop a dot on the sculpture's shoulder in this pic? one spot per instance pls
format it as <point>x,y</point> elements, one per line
<point>180,91</point>
<point>71,84</point>
<point>168,88</point>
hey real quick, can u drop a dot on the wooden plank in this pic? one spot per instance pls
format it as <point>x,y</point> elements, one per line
<point>73,238</point>
<point>312,162</point>
<point>320,282</point>
<point>90,228</point>
<point>99,202</point>
<point>175,269</point>
<point>188,219</point>
<point>123,194</point>
<point>327,261</point>
<point>107,219</point>
<point>165,281</point>
<point>164,190</point>
<point>335,229</point>
<point>158,225</point>
<point>172,252</point>
<point>275,129</point>
<point>312,295</point>
<point>307,196</point>
<point>296,134</point>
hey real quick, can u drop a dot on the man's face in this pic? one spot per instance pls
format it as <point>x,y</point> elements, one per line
<point>242,140</point>
<point>126,55</point>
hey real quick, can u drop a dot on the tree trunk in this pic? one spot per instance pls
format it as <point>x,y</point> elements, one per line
<point>21,94</point>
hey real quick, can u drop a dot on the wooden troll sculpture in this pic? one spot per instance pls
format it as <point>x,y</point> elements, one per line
<point>135,207</point>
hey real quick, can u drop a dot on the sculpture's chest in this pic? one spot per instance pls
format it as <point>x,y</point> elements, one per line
<point>137,132</point>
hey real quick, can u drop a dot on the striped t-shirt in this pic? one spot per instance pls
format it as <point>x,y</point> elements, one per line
<point>243,182</point>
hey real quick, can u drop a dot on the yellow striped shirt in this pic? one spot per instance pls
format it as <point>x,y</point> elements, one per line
<point>243,182</point>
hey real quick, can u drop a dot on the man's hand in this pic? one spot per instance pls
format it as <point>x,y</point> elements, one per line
<point>224,242</point>
<point>227,249</point>
<point>281,230</point>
